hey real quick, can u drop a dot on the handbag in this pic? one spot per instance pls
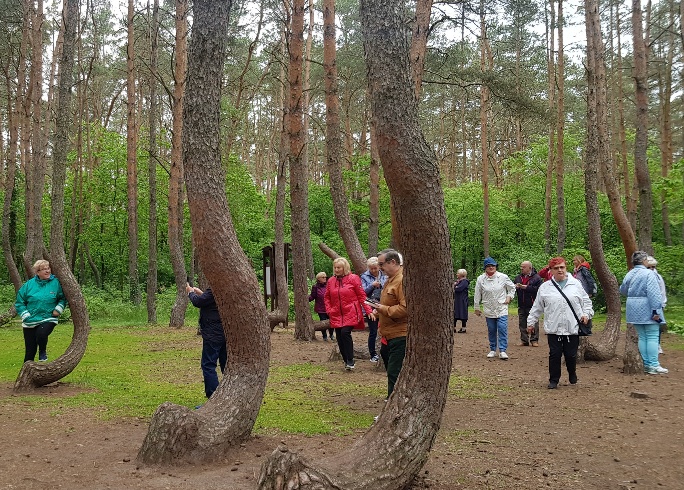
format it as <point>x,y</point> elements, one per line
<point>584,329</point>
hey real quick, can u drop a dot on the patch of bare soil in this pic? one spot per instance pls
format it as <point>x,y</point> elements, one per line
<point>610,431</point>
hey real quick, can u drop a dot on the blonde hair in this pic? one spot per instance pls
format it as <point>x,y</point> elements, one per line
<point>462,272</point>
<point>40,264</point>
<point>346,268</point>
<point>321,274</point>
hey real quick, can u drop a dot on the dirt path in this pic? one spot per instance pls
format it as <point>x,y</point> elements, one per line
<point>595,435</point>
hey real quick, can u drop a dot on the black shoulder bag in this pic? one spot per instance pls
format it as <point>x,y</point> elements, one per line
<point>584,329</point>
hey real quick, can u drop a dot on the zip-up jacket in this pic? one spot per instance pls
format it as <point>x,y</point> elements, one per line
<point>527,295</point>
<point>395,323</point>
<point>641,287</point>
<point>491,292</point>
<point>37,299</point>
<point>558,319</point>
<point>344,302</point>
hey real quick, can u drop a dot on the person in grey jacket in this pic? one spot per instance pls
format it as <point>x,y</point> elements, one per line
<point>560,325</point>
<point>644,310</point>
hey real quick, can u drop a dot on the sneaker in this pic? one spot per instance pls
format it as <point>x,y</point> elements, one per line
<point>374,359</point>
<point>534,344</point>
<point>503,355</point>
<point>461,331</point>
<point>660,370</point>
<point>660,349</point>
<point>491,354</point>
<point>349,367</point>
<point>650,370</point>
<point>552,386</point>
<point>42,357</point>
<point>573,379</point>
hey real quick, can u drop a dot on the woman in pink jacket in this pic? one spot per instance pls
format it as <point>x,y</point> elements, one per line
<point>344,302</point>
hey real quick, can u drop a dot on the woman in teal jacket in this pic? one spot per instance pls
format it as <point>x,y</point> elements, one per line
<point>40,301</point>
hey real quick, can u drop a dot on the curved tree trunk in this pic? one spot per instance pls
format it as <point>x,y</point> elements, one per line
<point>35,374</point>
<point>597,154</point>
<point>396,447</point>
<point>175,238</point>
<point>177,433</point>
<point>333,143</point>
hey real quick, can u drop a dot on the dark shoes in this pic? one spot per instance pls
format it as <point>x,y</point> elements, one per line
<point>552,386</point>
<point>461,331</point>
<point>42,357</point>
<point>573,379</point>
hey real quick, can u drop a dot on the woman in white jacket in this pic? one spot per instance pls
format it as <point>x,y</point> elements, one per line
<point>560,324</point>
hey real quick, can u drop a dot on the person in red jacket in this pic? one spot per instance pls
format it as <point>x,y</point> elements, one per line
<point>344,302</point>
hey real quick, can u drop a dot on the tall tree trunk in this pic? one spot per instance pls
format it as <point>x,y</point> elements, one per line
<point>333,143</point>
<point>665,84</point>
<point>643,177</point>
<point>396,447</point>
<point>35,374</point>
<point>175,209</point>
<point>299,179</point>
<point>550,167</point>
<point>421,28</point>
<point>484,133</point>
<point>178,433</point>
<point>597,155</point>
<point>374,197</point>
<point>132,162</point>
<point>35,167</point>
<point>152,158</point>
<point>560,128</point>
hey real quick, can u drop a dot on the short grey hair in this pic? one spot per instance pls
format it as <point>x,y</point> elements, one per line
<point>372,261</point>
<point>639,257</point>
<point>651,261</point>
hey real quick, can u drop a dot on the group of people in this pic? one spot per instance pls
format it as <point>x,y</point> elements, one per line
<point>348,300</point>
<point>564,299</point>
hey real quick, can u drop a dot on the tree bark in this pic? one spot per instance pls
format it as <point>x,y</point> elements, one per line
<point>132,162</point>
<point>177,433</point>
<point>551,165</point>
<point>396,447</point>
<point>421,29</point>
<point>484,134</point>
<point>597,154</point>
<point>333,143</point>
<point>175,209</point>
<point>560,129</point>
<point>152,158</point>
<point>374,195</point>
<point>643,177</point>
<point>33,374</point>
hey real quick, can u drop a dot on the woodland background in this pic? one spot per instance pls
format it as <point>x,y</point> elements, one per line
<point>502,100</point>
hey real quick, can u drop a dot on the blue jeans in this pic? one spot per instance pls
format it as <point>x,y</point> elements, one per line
<point>498,327</point>
<point>212,351</point>
<point>648,343</point>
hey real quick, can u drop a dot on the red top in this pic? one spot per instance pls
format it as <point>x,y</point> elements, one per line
<point>344,299</point>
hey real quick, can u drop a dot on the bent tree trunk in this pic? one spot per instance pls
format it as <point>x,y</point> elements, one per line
<point>32,374</point>
<point>396,447</point>
<point>177,433</point>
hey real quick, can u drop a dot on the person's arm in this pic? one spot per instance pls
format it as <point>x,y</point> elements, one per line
<point>312,296</point>
<point>461,286</point>
<point>535,312</point>
<point>509,287</point>
<point>587,307</point>
<point>361,295</point>
<point>533,285</point>
<point>624,287</point>
<point>21,304</point>
<point>61,303</point>
<point>398,311</point>
<point>478,296</point>
<point>201,298</point>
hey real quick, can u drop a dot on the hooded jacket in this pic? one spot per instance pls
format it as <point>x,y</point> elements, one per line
<point>344,302</point>
<point>37,299</point>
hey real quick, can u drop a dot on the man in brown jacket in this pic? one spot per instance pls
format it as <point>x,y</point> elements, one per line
<point>393,315</point>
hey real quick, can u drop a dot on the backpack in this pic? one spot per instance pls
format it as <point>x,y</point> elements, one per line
<point>589,283</point>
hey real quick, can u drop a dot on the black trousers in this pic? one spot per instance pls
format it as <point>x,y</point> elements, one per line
<point>35,338</point>
<point>562,345</point>
<point>346,344</point>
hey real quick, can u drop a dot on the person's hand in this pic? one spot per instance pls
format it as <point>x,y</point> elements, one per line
<point>584,319</point>
<point>188,288</point>
<point>372,316</point>
<point>522,286</point>
<point>478,312</point>
<point>507,300</point>
<point>55,313</point>
<point>656,318</point>
<point>530,329</point>
<point>376,284</point>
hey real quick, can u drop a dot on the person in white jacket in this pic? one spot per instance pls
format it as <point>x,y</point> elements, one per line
<point>494,291</point>
<point>560,325</point>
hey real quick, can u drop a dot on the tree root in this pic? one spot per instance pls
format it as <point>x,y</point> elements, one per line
<point>285,470</point>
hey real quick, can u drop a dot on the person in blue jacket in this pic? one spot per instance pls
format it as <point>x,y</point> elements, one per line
<point>213,339</point>
<point>40,301</point>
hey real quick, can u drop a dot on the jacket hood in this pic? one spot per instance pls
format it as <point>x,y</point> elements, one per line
<point>490,261</point>
<point>585,264</point>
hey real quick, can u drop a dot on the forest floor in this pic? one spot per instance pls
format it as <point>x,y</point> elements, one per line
<point>610,431</point>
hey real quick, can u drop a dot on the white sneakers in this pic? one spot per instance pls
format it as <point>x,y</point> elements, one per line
<point>503,355</point>
<point>660,349</point>
<point>491,354</point>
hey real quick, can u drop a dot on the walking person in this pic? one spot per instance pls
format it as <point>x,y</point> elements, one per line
<point>564,303</point>
<point>214,349</point>
<point>372,281</point>
<point>644,309</point>
<point>526,286</point>
<point>344,303</point>
<point>318,296</point>
<point>461,299</point>
<point>39,303</point>
<point>493,292</point>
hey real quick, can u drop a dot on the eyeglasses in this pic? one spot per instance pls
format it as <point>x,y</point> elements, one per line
<point>559,267</point>
<point>381,263</point>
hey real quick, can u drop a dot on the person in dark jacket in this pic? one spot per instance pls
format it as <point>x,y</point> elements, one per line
<point>39,303</point>
<point>526,286</point>
<point>461,299</point>
<point>213,338</point>
<point>345,304</point>
<point>318,295</point>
